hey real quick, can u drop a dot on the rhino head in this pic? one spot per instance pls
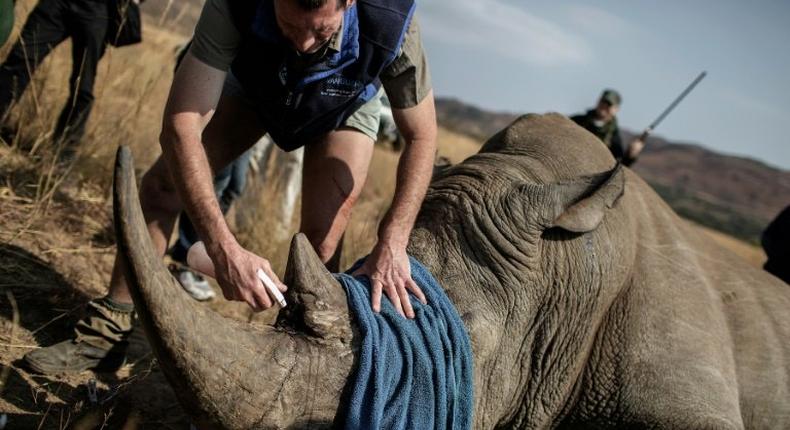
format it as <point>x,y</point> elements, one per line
<point>520,243</point>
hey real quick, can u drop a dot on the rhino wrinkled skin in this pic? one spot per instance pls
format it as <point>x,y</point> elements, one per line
<point>589,304</point>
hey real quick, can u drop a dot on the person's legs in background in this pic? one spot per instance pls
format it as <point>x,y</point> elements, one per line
<point>88,29</point>
<point>236,182</point>
<point>44,29</point>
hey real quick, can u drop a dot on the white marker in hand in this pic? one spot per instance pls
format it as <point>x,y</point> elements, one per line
<point>198,259</point>
<point>273,290</point>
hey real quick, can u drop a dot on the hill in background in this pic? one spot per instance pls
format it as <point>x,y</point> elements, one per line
<point>735,195</point>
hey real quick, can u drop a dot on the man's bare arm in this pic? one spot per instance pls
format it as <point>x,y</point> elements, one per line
<point>418,127</point>
<point>193,98</point>
<point>388,265</point>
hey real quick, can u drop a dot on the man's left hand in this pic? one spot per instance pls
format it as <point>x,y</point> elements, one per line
<point>389,271</point>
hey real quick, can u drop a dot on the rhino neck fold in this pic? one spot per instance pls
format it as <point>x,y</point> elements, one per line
<point>490,230</point>
<point>225,374</point>
<point>490,246</point>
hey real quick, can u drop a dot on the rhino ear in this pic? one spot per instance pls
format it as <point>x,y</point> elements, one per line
<point>580,206</point>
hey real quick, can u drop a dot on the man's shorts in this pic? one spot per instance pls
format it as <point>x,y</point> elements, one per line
<point>365,119</point>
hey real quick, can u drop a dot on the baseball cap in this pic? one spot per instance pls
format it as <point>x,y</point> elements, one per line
<point>612,97</point>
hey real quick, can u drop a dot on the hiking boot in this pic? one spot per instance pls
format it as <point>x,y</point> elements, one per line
<point>72,356</point>
<point>194,284</point>
<point>100,342</point>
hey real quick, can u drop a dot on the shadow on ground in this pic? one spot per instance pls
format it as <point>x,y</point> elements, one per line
<point>38,307</point>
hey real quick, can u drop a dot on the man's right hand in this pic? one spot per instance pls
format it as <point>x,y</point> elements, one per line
<point>236,272</point>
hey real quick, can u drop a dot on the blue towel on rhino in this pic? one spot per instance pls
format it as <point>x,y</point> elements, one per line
<point>412,374</point>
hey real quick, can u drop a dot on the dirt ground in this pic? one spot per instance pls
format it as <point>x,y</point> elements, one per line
<point>52,261</point>
<point>753,254</point>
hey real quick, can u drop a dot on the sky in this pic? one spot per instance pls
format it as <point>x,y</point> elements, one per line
<point>527,56</point>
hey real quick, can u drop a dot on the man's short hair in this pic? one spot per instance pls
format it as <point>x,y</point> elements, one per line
<point>317,4</point>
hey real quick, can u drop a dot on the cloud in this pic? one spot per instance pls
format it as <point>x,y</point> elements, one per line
<point>508,30</point>
<point>596,20</point>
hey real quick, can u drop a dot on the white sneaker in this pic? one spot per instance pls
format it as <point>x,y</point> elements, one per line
<point>192,282</point>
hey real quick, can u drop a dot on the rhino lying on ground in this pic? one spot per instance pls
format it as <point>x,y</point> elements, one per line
<point>589,304</point>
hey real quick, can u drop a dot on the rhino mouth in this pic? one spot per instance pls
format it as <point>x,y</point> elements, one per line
<point>225,373</point>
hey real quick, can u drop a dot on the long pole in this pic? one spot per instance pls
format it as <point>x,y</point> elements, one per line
<point>674,104</point>
<point>635,148</point>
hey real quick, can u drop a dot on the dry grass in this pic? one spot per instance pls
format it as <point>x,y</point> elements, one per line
<point>56,241</point>
<point>456,147</point>
<point>754,255</point>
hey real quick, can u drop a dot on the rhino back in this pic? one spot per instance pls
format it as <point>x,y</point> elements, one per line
<point>641,322</point>
<point>697,339</point>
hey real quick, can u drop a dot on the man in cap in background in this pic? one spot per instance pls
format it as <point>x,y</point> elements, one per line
<point>602,122</point>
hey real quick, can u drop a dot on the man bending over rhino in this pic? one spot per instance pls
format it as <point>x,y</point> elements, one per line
<point>311,73</point>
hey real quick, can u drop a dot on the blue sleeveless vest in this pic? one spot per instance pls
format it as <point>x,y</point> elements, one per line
<point>299,106</point>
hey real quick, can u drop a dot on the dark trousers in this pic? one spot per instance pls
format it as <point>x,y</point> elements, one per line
<point>50,23</point>
<point>228,185</point>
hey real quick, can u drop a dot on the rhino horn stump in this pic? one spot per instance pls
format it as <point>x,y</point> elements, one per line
<point>316,298</point>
